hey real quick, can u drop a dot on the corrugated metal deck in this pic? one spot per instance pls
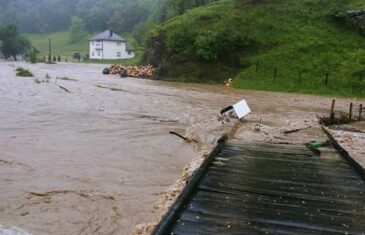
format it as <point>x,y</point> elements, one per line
<point>271,189</point>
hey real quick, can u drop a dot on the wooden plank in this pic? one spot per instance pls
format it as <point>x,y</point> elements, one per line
<point>347,210</point>
<point>279,191</point>
<point>265,209</point>
<point>283,155</point>
<point>292,219</point>
<point>273,189</point>
<point>290,185</point>
<point>274,163</point>
<point>287,170</point>
<point>323,183</point>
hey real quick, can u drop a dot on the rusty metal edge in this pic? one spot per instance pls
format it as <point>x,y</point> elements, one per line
<point>353,163</point>
<point>167,221</point>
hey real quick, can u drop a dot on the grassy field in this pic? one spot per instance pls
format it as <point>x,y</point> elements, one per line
<point>62,46</point>
<point>288,45</point>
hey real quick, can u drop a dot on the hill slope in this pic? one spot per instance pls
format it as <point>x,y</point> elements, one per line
<point>281,45</point>
<point>61,44</point>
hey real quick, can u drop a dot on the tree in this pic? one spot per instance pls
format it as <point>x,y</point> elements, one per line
<point>12,44</point>
<point>32,54</point>
<point>179,7</point>
<point>77,29</point>
<point>127,17</point>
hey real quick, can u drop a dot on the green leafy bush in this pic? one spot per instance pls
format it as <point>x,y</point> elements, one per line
<point>206,45</point>
<point>179,40</point>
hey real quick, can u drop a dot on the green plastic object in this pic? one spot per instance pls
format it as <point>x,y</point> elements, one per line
<point>315,144</point>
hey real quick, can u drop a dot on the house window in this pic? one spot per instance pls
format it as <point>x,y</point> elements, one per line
<point>99,53</point>
<point>119,54</point>
<point>119,44</point>
<point>98,45</point>
<point>92,53</point>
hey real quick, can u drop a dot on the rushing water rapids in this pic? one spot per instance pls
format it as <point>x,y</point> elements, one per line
<point>94,161</point>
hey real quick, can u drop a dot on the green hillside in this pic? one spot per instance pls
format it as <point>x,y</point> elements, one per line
<point>281,45</point>
<point>62,46</point>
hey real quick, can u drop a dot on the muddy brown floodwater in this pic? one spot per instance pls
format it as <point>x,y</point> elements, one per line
<point>95,160</point>
<point>92,161</point>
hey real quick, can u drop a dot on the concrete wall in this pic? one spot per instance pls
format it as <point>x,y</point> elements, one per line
<point>109,50</point>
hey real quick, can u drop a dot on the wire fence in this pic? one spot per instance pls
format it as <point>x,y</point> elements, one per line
<point>329,79</point>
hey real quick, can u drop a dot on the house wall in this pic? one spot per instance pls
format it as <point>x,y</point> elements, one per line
<point>110,50</point>
<point>96,50</point>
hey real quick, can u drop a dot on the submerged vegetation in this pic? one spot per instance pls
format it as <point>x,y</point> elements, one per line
<point>21,72</point>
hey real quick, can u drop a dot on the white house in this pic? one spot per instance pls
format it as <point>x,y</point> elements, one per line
<point>110,46</point>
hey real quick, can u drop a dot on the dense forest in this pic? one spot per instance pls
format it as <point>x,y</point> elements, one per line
<point>44,16</point>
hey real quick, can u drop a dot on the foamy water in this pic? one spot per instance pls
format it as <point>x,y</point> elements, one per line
<point>12,231</point>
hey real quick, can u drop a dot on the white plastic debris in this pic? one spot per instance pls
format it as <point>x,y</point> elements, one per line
<point>12,231</point>
<point>241,109</point>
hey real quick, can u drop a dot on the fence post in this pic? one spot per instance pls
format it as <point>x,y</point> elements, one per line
<point>350,112</point>
<point>49,50</point>
<point>257,66</point>
<point>360,112</point>
<point>326,80</point>
<point>332,116</point>
<point>275,73</point>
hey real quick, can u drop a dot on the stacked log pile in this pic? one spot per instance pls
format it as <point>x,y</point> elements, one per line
<point>147,71</point>
<point>144,71</point>
<point>116,69</point>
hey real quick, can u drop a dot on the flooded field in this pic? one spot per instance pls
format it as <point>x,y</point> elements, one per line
<point>95,160</point>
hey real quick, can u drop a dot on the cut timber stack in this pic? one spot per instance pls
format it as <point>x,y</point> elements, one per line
<point>144,71</point>
<point>116,69</point>
<point>141,71</point>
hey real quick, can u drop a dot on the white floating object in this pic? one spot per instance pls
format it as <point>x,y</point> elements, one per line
<point>241,109</point>
<point>12,231</point>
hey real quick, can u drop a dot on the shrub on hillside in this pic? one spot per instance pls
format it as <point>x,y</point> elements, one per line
<point>206,45</point>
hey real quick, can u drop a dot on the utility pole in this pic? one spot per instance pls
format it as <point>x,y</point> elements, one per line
<point>50,50</point>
